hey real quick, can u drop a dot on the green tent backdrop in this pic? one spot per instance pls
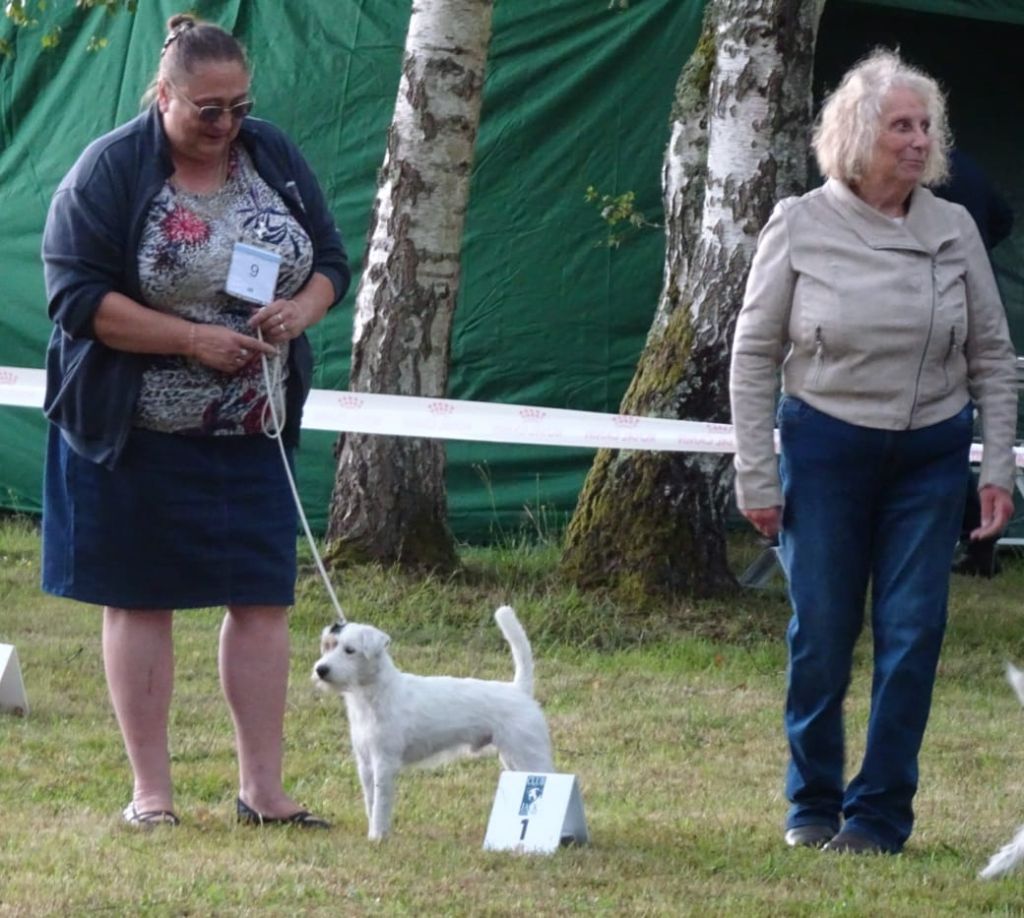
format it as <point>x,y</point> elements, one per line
<point>577,93</point>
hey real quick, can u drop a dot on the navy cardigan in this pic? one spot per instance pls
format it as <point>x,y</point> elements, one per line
<point>90,248</point>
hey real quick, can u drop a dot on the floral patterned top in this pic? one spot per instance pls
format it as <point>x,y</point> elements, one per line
<point>184,254</point>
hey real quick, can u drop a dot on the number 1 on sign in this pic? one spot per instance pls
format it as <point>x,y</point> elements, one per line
<point>522,834</point>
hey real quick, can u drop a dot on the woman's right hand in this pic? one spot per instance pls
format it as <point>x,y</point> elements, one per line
<point>222,349</point>
<point>766,520</point>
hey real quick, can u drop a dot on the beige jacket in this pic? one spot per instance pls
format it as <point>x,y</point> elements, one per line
<point>878,323</point>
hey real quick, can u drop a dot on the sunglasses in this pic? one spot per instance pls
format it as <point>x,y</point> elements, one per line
<point>210,114</point>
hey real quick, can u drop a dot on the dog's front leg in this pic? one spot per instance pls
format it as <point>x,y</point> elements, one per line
<point>384,774</point>
<point>365,769</point>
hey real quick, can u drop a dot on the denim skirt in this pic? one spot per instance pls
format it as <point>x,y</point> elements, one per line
<point>180,522</point>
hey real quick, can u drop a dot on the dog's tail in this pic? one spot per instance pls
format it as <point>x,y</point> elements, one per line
<point>1006,858</point>
<point>1012,853</point>
<point>519,644</point>
<point>1016,679</point>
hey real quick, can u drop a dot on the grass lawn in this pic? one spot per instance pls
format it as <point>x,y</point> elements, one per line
<point>670,718</point>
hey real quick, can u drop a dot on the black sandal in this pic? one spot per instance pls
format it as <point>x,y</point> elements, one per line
<point>247,816</point>
<point>149,819</point>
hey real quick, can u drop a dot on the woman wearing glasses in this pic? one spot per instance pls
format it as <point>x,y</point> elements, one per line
<point>162,491</point>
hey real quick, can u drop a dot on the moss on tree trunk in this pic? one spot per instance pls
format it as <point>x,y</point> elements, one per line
<point>654,523</point>
<point>649,523</point>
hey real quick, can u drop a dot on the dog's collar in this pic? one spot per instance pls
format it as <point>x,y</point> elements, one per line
<point>337,627</point>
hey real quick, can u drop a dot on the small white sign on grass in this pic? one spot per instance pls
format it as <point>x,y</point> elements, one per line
<point>536,813</point>
<point>12,690</point>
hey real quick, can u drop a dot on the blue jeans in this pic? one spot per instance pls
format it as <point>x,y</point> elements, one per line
<point>865,506</point>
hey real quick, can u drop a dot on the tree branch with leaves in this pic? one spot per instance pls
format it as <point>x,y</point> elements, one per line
<point>24,14</point>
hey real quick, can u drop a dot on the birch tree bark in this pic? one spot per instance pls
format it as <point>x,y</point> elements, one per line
<point>654,523</point>
<point>389,502</point>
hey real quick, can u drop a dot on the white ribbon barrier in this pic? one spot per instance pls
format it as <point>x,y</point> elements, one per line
<point>452,419</point>
<point>22,388</point>
<point>496,423</point>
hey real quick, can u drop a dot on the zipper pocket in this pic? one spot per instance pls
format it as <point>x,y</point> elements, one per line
<point>819,354</point>
<point>950,351</point>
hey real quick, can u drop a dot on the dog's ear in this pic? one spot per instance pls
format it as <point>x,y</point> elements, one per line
<point>373,641</point>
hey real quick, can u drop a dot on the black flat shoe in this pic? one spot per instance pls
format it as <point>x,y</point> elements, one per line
<point>247,816</point>
<point>812,835</point>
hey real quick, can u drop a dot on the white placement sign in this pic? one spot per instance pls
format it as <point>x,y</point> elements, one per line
<point>253,273</point>
<point>12,690</point>
<point>536,813</point>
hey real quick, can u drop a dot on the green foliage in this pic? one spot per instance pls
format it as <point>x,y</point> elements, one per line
<point>16,11</point>
<point>111,6</point>
<point>23,14</point>
<point>620,214</point>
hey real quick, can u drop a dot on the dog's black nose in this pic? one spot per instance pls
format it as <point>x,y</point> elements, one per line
<point>322,670</point>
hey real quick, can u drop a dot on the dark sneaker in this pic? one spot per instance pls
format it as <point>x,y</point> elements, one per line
<point>850,842</point>
<point>812,835</point>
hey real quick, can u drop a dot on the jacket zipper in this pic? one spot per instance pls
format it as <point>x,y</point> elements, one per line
<point>924,352</point>
<point>293,187</point>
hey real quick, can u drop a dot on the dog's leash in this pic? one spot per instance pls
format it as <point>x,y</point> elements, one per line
<point>273,424</point>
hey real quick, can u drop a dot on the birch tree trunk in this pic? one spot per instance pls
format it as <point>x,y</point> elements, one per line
<point>389,502</point>
<point>654,523</point>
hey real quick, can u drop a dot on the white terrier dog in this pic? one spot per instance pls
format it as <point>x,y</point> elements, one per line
<point>1012,853</point>
<point>398,719</point>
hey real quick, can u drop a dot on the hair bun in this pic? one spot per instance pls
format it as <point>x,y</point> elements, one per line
<point>176,25</point>
<point>180,21</point>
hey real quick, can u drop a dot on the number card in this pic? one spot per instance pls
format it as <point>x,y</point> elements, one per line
<point>253,274</point>
<point>536,813</point>
<point>12,689</point>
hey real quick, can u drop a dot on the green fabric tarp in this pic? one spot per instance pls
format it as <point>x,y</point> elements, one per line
<point>577,93</point>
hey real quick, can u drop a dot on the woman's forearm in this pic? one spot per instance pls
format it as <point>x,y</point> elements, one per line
<point>315,298</point>
<point>124,325</point>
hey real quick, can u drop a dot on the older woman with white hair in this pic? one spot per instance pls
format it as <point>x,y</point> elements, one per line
<point>878,302</point>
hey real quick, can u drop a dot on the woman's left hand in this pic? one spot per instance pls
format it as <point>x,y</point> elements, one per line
<point>996,510</point>
<point>281,321</point>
